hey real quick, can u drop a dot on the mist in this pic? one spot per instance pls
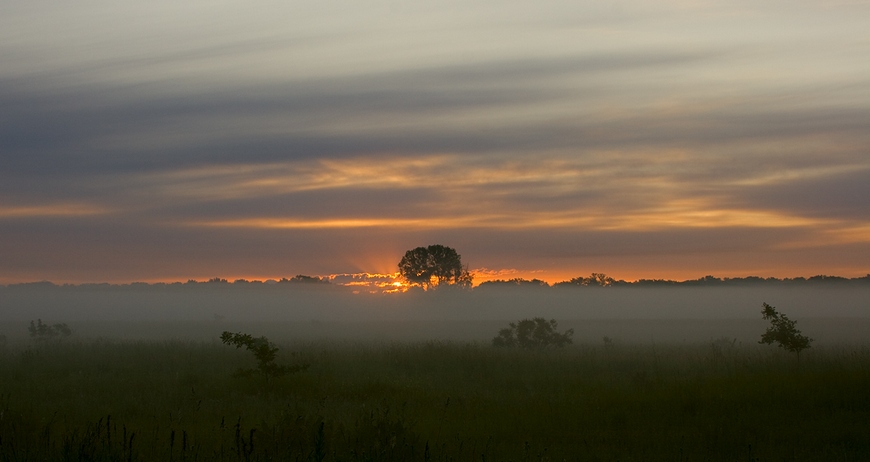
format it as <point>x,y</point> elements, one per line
<point>829,313</point>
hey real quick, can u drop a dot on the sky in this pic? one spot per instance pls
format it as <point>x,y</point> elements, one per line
<point>167,141</point>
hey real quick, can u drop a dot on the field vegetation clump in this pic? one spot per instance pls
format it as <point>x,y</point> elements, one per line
<point>265,351</point>
<point>718,401</point>
<point>533,333</point>
<point>783,332</point>
<point>40,331</point>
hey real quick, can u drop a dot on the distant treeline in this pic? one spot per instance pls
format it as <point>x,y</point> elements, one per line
<point>299,280</point>
<point>594,281</point>
<point>599,280</point>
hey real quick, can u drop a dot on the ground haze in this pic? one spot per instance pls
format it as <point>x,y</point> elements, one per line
<point>659,373</point>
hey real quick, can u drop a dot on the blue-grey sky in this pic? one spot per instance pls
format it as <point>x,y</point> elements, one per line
<point>164,141</point>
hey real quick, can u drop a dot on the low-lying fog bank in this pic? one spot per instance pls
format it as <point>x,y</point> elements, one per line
<point>824,331</point>
<point>830,314</point>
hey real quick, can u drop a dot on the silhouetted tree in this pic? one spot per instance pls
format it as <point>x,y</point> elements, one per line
<point>433,266</point>
<point>704,281</point>
<point>593,280</point>
<point>40,331</point>
<point>533,333</point>
<point>306,279</point>
<point>265,351</point>
<point>782,330</point>
<point>515,282</point>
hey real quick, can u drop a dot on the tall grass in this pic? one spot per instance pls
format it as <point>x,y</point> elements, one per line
<point>103,400</point>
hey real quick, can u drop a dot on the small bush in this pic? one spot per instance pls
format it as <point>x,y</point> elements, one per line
<point>533,333</point>
<point>265,352</point>
<point>782,330</point>
<point>40,331</point>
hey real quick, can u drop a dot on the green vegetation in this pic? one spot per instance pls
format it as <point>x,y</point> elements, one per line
<point>533,333</point>
<point>719,401</point>
<point>782,330</point>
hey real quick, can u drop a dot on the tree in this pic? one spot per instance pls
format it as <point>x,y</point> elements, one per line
<point>515,282</point>
<point>40,331</point>
<point>265,351</point>
<point>782,330</point>
<point>594,280</point>
<point>433,266</point>
<point>533,333</point>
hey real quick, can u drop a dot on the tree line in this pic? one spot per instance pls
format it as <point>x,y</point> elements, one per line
<point>597,280</point>
<point>439,266</point>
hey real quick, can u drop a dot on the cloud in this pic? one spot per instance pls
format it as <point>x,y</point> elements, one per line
<point>50,211</point>
<point>333,147</point>
<point>95,133</point>
<point>830,193</point>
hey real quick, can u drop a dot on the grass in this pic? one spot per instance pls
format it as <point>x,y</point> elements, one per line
<point>106,400</point>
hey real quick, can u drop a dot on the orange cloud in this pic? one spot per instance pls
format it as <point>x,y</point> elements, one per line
<point>670,216</point>
<point>54,210</point>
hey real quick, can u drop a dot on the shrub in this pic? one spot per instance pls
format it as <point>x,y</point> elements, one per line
<point>265,352</point>
<point>782,330</point>
<point>533,333</point>
<point>40,331</point>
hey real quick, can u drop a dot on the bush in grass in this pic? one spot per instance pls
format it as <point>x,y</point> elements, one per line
<point>40,331</point>
<point>265,352</point>
<point>782,330</point>
<point>533,333</point>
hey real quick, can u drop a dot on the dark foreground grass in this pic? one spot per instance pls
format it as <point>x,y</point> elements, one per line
<point>434,401</point>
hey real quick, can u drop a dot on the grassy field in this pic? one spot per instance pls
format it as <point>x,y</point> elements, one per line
<point>153,400</point>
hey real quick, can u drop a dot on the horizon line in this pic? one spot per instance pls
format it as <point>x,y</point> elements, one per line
<point>372,278</point>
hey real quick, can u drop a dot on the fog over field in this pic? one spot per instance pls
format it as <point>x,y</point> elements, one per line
<point>829,313</point>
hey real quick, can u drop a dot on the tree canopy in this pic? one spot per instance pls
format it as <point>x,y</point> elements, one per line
<point>782,331</point>
<point>533,333</point>
<point>433,266</point>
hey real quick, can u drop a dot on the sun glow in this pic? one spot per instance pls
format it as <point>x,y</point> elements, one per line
<point>396,288</point>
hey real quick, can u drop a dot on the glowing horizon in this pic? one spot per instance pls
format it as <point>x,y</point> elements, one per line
<point>382,282</point>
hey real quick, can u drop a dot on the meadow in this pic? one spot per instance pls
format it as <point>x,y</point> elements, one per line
<point>719,400</point>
